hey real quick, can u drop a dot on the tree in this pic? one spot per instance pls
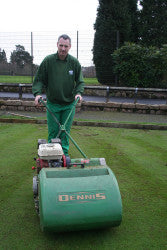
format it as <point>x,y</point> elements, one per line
<point>112,16</point>
<point>134,16</point>
<point>20,56</point>
<point>153,25</point>
<point>3,56</point>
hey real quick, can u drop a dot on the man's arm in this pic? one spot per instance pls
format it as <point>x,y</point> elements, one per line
<point>40,81</point>
<point>79,89</point>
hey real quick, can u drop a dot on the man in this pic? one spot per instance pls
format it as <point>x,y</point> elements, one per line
<point>61,76</point>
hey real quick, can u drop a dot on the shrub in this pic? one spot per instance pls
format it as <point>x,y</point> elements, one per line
<point>138,66</point>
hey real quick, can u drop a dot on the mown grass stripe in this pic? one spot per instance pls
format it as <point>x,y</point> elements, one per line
<point>127,152</point>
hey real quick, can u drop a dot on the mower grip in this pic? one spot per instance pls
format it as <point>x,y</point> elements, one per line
<point>76,101</point>
<point>40,100</point>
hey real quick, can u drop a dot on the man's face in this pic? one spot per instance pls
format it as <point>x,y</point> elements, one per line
<point>63,48</point>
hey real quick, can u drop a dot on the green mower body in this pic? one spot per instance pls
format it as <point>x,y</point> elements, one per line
<point>78,198</point>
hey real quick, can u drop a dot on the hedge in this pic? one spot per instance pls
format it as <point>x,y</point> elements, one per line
<point>138,66</point>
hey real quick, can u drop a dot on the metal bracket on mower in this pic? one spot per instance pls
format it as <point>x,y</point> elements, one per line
<point>76,164</point>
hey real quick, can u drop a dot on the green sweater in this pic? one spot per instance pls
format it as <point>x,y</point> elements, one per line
<point>61,79</point>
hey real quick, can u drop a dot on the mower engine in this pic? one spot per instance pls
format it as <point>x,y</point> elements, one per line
<point>50,151</point>
<point>51,156</point>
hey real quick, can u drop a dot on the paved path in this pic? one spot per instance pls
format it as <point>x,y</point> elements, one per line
<point>92,98</point>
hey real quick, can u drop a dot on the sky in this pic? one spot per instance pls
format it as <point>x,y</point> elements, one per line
<point>47,20</point>
<point>40,15</point>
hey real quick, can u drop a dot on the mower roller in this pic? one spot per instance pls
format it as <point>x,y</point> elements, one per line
<point>73,194</point>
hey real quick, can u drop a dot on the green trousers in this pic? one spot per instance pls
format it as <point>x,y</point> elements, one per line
<point>61,112</point>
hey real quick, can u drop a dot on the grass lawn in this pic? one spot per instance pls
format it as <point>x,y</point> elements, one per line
<point>28,79</point>
<point>137,157</point>
<point>15,79</point>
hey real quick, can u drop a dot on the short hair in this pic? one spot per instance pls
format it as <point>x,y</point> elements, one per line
<point>65,37</point>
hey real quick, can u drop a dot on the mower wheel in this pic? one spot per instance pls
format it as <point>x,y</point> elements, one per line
<point>68,161</point>
<point>35,186</point>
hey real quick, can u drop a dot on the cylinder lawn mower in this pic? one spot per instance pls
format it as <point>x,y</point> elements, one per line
<point>73,194</point>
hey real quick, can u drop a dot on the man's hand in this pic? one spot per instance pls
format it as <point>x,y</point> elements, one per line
<point>37,100</point>
<point>78,96</point>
